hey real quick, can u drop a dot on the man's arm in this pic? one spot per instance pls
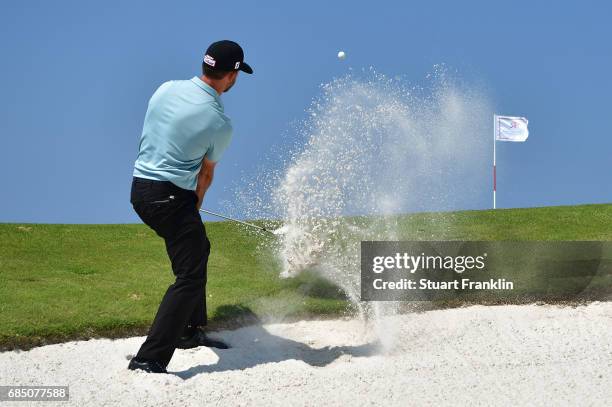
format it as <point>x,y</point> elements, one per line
<point>205,178</point>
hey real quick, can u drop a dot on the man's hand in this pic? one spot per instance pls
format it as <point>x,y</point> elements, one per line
<point>205,178</point>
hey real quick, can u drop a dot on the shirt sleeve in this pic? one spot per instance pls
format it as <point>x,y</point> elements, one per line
<point>219,143</point>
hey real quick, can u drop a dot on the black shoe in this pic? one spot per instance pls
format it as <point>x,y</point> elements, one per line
<point>149,366</point>
<point>199,338</point>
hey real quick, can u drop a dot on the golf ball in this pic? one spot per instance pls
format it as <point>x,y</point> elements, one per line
<point>341,55</point>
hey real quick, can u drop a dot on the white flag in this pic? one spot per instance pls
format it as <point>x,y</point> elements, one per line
<point>509,128</point>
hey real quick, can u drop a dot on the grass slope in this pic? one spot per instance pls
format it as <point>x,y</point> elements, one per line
<point>60,282</point>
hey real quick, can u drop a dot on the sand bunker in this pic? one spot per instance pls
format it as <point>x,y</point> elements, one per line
<point>505,355</point>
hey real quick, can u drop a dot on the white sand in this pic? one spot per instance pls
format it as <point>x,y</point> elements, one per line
<point>510,355</point>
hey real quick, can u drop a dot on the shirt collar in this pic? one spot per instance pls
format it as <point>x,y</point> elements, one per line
<point>207,88</point>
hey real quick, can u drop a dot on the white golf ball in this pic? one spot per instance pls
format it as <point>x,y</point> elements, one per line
<point>341,55</point>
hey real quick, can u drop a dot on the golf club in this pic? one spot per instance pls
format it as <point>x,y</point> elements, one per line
<point>238,221</point>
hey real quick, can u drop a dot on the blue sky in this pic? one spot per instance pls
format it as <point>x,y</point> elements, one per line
<point>76,77</point>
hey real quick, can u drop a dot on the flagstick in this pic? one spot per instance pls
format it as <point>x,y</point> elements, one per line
<point>494,165</point>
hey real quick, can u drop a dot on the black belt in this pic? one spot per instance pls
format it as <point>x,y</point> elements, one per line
<point>165,186</point>
<point>152,181</point>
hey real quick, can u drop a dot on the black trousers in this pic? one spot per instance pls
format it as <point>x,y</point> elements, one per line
<point>172,213</point>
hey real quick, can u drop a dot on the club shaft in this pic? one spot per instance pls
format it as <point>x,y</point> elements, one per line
<point>234,220</point>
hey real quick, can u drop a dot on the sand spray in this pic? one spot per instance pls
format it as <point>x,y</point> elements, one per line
<point>371,148</point>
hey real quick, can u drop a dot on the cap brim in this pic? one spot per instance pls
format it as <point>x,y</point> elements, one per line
<point>244,67</point>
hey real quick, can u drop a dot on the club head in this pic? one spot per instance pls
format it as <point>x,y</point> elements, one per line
<point>280,231</point>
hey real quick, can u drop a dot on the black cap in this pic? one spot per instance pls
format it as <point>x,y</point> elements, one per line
<point>226,56</point>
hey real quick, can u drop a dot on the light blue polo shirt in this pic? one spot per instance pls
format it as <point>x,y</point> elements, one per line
<point>184,122</point>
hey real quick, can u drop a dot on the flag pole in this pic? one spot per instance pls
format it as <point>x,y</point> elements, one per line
<point>494,164</point>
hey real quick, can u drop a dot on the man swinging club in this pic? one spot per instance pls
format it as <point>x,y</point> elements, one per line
<point>184,135</point>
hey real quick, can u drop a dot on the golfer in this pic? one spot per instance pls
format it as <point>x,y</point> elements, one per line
<point>184,135</point>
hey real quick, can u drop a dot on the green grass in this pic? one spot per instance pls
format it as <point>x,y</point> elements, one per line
<point>60,282</point>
